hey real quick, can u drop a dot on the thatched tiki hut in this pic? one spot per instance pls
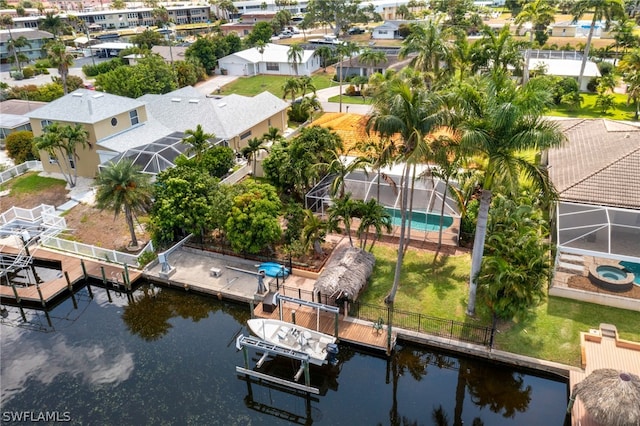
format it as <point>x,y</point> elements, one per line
<point>611,397</point>
<point>345,275</point>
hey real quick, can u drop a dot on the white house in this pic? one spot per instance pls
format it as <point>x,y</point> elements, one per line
<point>273,60</point>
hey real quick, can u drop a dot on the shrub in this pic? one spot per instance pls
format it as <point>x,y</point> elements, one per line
<point>351,90</point>
<point>102,68</point>
<point>593,85</point>
<point>28,72</point>
<point>73,82</point>
<point>43,64</point>
<point>19,146</point>
<point>17,75</point>
<point>605,68</point>
<point>298,114</point>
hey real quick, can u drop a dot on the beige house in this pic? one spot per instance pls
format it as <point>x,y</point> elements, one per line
<point>116,124</point>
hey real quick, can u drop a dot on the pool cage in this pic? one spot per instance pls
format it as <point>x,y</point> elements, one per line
<point>385,187</point>
<point>600,231</point>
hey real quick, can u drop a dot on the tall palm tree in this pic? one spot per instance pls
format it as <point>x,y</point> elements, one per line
<point>291,87</point>
<point>75,137</point>
<point>429,45</point>
<point>410,112</point>
<point>52,23</point>
<point>260,46</point>
<point>252,151</point>
<point>461,54</point>
<point>295,55</point>
<point>61,59</point>
<point>14,45</point>
<point>122,187</point>
<point>498,51</point>
<point>607,9</point>
<point>539,14</point>
<point>340,168</point>
<point>272,135</point>
<point>342,209</point>
<point>503,121</point>
<point>198,140</point>
<point>324,53</point>
<point>372,214</point>
<point>378,154</point>
<point>61,144</point>
<point>306,85</point>
<point>372,57</point>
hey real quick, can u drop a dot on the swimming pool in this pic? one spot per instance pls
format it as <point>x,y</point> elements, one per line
<point>421,221</point>
<point>634,268</point>
<point>273,269</point>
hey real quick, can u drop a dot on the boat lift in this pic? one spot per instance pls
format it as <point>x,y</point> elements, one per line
<point>242,342</point>
<point>315,305</point>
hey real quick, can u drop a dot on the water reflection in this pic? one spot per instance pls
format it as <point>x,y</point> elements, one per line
<point>162,356</point>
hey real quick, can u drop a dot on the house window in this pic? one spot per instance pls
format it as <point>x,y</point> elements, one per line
<point>133,115</point>
<point>382,32</point>
<point>245,135</point>
<point>45,123</point>
<point>273,66</point>
<point>269,122</point>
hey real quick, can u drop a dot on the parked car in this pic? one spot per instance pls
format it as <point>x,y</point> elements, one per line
<point>285,34</point>
<point>355,30</point>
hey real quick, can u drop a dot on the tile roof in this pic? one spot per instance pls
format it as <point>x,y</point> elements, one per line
<point>599,164</point>
<point>85,106</point>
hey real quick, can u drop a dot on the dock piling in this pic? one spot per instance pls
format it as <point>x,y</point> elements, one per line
<point>69,286</point>
<point>40,294</point>
<point>84,269</point>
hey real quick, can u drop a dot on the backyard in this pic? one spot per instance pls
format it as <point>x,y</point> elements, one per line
<point>432,284</point>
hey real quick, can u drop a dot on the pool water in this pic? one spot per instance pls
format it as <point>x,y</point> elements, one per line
<point>611,272</point>
<point>634,268</point>
<point>421,221</point>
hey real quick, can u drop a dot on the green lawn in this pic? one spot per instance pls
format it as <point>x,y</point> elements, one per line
<point>620,111</point>
<point>439,288</point>
<point>251,86</point>
<point>31,182</point>
<point>358,100</point>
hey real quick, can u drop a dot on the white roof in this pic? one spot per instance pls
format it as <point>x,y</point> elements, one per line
<point>272,53</point>
<point>565,67</point>
<point>113,45</point>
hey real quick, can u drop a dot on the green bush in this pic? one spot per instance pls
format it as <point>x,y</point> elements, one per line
<point>19,146</point>
<point>102,68</point>
<point>17,75</point>
<point>28,72</point>
<point>43,64</point>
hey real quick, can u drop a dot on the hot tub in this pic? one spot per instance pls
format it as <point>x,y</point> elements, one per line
<point>611,278</point>
<point>273,269</point>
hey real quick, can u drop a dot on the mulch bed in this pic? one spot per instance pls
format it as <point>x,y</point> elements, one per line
<point>583,283</point>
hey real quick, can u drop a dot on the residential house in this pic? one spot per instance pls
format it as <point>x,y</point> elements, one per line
<point>356,67</point>
<point>563,64</point>
<point>170,54</point>
<point>598,209</point>
<point>13,119</point>
<point>579,29</point>
<point>274,61</point>
<point>116,124</point>
<point>388,30</point>
<point>34,51</point>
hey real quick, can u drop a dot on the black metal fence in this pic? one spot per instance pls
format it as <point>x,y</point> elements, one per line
<point>450,329</point>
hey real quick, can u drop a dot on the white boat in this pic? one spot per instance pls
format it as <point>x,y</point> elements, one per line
<point>294,337</point>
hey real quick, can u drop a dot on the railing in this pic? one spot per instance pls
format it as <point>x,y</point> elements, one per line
<point>95,252</point>
<point>421,323</point>
<point>236,176</point>
<point>450,329</point>
<point>14,171</point>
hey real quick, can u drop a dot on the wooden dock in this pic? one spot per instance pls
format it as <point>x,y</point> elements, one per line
<point>350,330</point>
<point>71,268</point>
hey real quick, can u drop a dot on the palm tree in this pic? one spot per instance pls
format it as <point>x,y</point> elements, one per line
<point>498,51</point>
<point>427,41</point>
<point>272,135</point>
<point>122,187</point>
<point>198,140</point>
<point>410,112</point>
<point>461,52</point>
<point>624,36</point>
<point>295,55</point>
<point>260,46</point>
<point>291,87</point>
<point>372,214</point>
<point>52,23</point>
<point>306,84</point>
<point>14,45</point>
<point>163,20</point>
<point>60,58</point>
<point>379,154</point>
<point>314,231</point>
<point>324,53</point>
<point>252,151</point>
<point>75,136</point>
<point>607,9</point>
<point>539,14</point>
<point>633,91</point>
<point>342,210</point>
<point>372,57</point>
<point>504,121</point>
<point>339,167</point>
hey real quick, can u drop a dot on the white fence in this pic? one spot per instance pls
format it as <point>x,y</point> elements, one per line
<point>236,176</point>
<point>14,171</point>
<point>94,252</point>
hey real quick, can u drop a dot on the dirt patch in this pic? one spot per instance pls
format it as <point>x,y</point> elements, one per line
<point>583,283</point>
<point>85,223</point>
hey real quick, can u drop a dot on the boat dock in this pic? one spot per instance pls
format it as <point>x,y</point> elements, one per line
<point>74,270</point>
<point>350,330</point>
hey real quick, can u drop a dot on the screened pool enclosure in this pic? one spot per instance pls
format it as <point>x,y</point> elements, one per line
<point>600,231</point>
<point>385,187</point>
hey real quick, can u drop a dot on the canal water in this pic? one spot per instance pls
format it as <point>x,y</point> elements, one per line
<point>167,357</point>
